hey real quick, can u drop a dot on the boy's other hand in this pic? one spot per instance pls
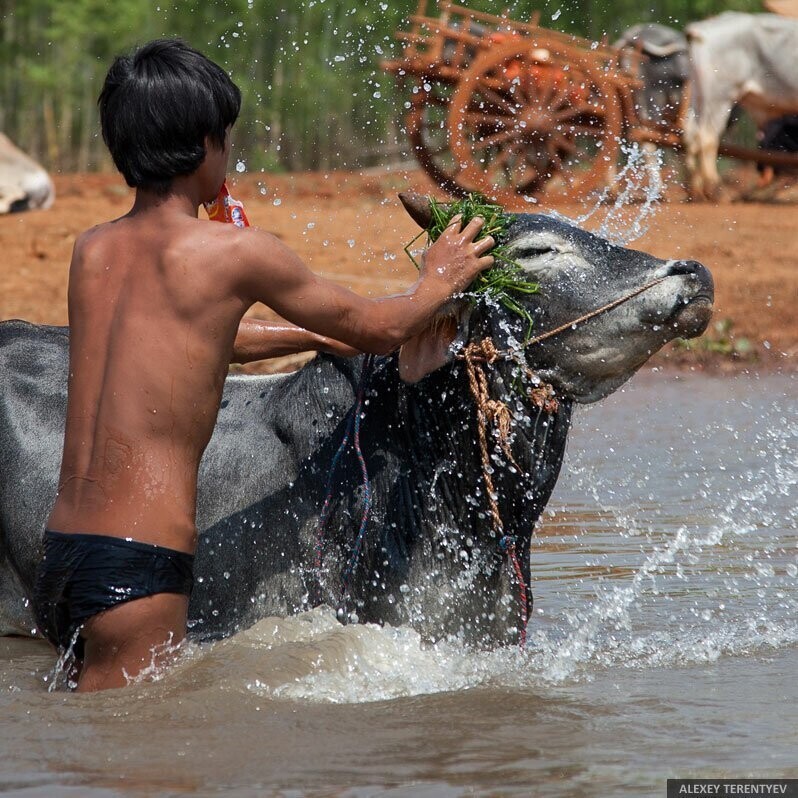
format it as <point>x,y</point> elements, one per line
<point>332,347</point>
<point>455,258</point>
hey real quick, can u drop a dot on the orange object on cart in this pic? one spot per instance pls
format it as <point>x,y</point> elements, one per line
<point>226,209</point>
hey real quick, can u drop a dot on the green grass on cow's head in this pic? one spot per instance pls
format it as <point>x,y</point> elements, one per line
<point>506,279</point>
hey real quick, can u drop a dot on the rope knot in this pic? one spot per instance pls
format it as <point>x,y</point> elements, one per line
<point>544,398</point>
<point>483,351</point>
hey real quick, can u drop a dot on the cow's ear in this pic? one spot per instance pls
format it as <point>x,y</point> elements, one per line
<point>435,346</point>
<point>418,206</point>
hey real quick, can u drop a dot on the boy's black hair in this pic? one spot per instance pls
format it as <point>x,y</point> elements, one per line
<point>157,105</point>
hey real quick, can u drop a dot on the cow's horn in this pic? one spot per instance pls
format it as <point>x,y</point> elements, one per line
<point>418,206</point>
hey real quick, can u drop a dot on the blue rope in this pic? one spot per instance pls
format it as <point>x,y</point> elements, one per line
<point>507,541</point>
<point>357,547</point>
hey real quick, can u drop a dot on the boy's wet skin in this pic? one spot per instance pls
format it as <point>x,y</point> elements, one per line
<point>156,300</point>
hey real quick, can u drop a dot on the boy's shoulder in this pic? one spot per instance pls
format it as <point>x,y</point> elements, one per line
<point>205,247</point>
<point>242,243</point>
<point>89,239</point>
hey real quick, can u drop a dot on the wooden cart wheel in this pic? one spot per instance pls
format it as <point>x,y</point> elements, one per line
<point>530,119</point>
<point>427,130</point>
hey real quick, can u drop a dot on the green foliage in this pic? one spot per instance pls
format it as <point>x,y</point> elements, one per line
<point>507,277</point>
<point>315,96</point>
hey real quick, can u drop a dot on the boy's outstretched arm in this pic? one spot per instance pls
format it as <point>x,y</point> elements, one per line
<point>257,339</point>
<point>271,273</point>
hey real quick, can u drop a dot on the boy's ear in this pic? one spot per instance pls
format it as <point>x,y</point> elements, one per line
<point>435,346</point>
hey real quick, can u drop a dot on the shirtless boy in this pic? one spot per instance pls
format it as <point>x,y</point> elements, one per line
<point>156,300</point>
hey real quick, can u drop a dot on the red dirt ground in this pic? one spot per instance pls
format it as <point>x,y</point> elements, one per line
<point>351,228</point>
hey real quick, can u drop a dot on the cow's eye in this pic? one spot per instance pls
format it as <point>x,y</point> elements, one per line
<point>533,251</point>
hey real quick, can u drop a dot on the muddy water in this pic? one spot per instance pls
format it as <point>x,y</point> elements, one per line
<point>663,644</point>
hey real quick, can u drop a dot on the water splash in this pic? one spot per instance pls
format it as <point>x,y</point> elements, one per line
<point>713,577</point>
<point>324,661</point>
<point>621,215</point>
<point>63,673</point>
<point>163,657</point>
<point>722,587</point>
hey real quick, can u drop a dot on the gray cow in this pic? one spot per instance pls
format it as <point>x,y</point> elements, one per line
<point>430,555</point>
<point>663,70</point>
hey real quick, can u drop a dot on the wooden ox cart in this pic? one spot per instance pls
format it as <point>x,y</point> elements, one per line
<point>514,110</point>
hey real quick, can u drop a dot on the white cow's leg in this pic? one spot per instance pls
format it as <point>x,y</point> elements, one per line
<point>692,149</point>
<point>702,139</point>
<point>709,141</point>
<point>710,127</point>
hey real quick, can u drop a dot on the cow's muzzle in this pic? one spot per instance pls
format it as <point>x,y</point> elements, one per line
<point>693,308</point>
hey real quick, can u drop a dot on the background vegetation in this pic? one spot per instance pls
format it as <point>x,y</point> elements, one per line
<point>314,94</point>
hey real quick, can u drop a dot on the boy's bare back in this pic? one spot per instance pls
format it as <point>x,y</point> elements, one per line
<point>151,337</point>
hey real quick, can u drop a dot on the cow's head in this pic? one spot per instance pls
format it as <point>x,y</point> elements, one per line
<point>578,272</point>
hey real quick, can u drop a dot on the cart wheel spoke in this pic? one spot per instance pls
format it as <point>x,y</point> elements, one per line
<point>524,87</point>
<point>493,139</point>
<point>500,161</point>
<point>476,118</point>
<point>532,176</point>
<point>584,109</point>
<point>560,97</point>
<point>496,98</point>
<point>544,86</point>
<point>426,124</point>
<point>562,143</point>
<point>529,183</point>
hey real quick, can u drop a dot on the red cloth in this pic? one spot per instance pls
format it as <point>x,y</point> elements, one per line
<point>226,209</point>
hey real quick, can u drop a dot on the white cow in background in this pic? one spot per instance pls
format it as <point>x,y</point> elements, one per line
<point>750,59</point>
<point>23,183</point>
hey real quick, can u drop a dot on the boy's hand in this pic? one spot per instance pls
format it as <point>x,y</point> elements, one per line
<point>258,339</point>
<point>455,258</point>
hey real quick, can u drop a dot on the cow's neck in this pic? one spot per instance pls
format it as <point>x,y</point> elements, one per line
<point>432,557</point>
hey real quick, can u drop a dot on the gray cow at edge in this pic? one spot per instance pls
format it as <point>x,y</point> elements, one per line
<point>430,557</point>
<point>664,69</point>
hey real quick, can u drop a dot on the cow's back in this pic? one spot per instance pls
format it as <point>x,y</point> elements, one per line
<point>33,375</point>
<point>747,52</point>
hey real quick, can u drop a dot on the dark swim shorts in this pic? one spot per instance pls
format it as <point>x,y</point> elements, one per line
<point>82,575</point>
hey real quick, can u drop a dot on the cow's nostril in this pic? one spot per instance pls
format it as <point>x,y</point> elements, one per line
<point>685,267</point>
